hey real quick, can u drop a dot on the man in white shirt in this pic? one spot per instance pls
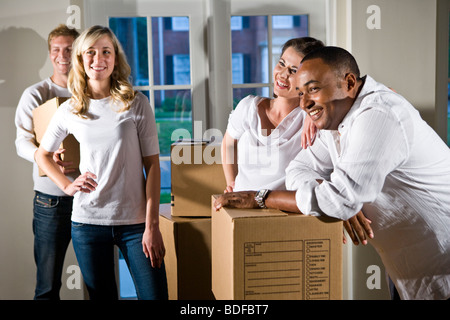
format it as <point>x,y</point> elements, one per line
<point>374,153</point>
<point>52,208</point>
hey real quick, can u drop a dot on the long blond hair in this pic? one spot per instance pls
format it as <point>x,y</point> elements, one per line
<point>121,90</point>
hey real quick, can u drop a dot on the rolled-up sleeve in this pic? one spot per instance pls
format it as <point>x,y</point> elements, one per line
<point>303,172</point>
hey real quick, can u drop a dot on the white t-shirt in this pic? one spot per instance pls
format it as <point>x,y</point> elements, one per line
<point>385,160</point>
<point>112,145</point>
<point>262,159</point>
<point>32,98</point>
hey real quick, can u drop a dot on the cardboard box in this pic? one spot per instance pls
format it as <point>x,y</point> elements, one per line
<point>41,119</point>
<point>196,174</point>
<point>188,255</point>
<point>268,254</point>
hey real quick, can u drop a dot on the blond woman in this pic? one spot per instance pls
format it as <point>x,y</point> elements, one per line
<point>115,203</point>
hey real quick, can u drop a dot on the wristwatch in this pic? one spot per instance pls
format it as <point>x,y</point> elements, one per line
<point>261,196</point>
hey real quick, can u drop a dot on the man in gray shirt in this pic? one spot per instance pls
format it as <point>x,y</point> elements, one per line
<point>51,208</point>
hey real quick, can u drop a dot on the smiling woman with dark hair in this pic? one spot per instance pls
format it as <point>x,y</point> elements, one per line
<point>265,134</point>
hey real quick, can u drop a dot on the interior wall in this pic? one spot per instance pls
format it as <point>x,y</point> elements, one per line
<point>24,26</point>
<point>401,53</point>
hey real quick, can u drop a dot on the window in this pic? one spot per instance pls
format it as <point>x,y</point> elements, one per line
<point>256,49</point>
<point>181,69</point>
<point>180,23</point>
<point>136,49</point>
<point>283,22</point>
<point>236,23</point>
<point>237,65</point>
<point>164,76</point>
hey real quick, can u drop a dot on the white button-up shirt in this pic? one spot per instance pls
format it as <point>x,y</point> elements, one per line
<point>386,161</point>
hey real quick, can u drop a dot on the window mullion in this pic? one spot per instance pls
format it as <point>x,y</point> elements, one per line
<point>151,82</point>
<point>172,87</point>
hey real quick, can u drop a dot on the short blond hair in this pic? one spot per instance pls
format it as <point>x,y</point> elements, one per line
<point>121,89</point>
<point>61,30</point>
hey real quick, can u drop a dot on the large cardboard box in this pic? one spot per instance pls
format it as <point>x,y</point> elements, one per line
<point>268,254</point>
<point>188,255</point>
<point>41,119</point>
<point>196,174</point>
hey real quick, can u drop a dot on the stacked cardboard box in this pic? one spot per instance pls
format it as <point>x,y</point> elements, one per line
<point>268,254</point>
<point>236,254</point>
<point>41,119</point>
<point>188,255</point>
<point>196,174</point>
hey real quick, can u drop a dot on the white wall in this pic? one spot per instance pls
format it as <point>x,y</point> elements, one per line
<point>402,54</point>
<point>24,26</point>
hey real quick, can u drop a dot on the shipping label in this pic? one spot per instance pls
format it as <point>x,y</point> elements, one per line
<point>298,269</point>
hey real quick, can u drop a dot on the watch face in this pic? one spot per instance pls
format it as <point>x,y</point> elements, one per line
<point>260,197</point>
<point>261,193</point>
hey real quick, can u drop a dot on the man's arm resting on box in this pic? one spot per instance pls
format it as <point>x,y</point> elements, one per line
<point>358,226</point>
<point>276,199</point>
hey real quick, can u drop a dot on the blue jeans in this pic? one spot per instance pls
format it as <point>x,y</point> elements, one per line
<point>51,228</point>
<point>94,248</point>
